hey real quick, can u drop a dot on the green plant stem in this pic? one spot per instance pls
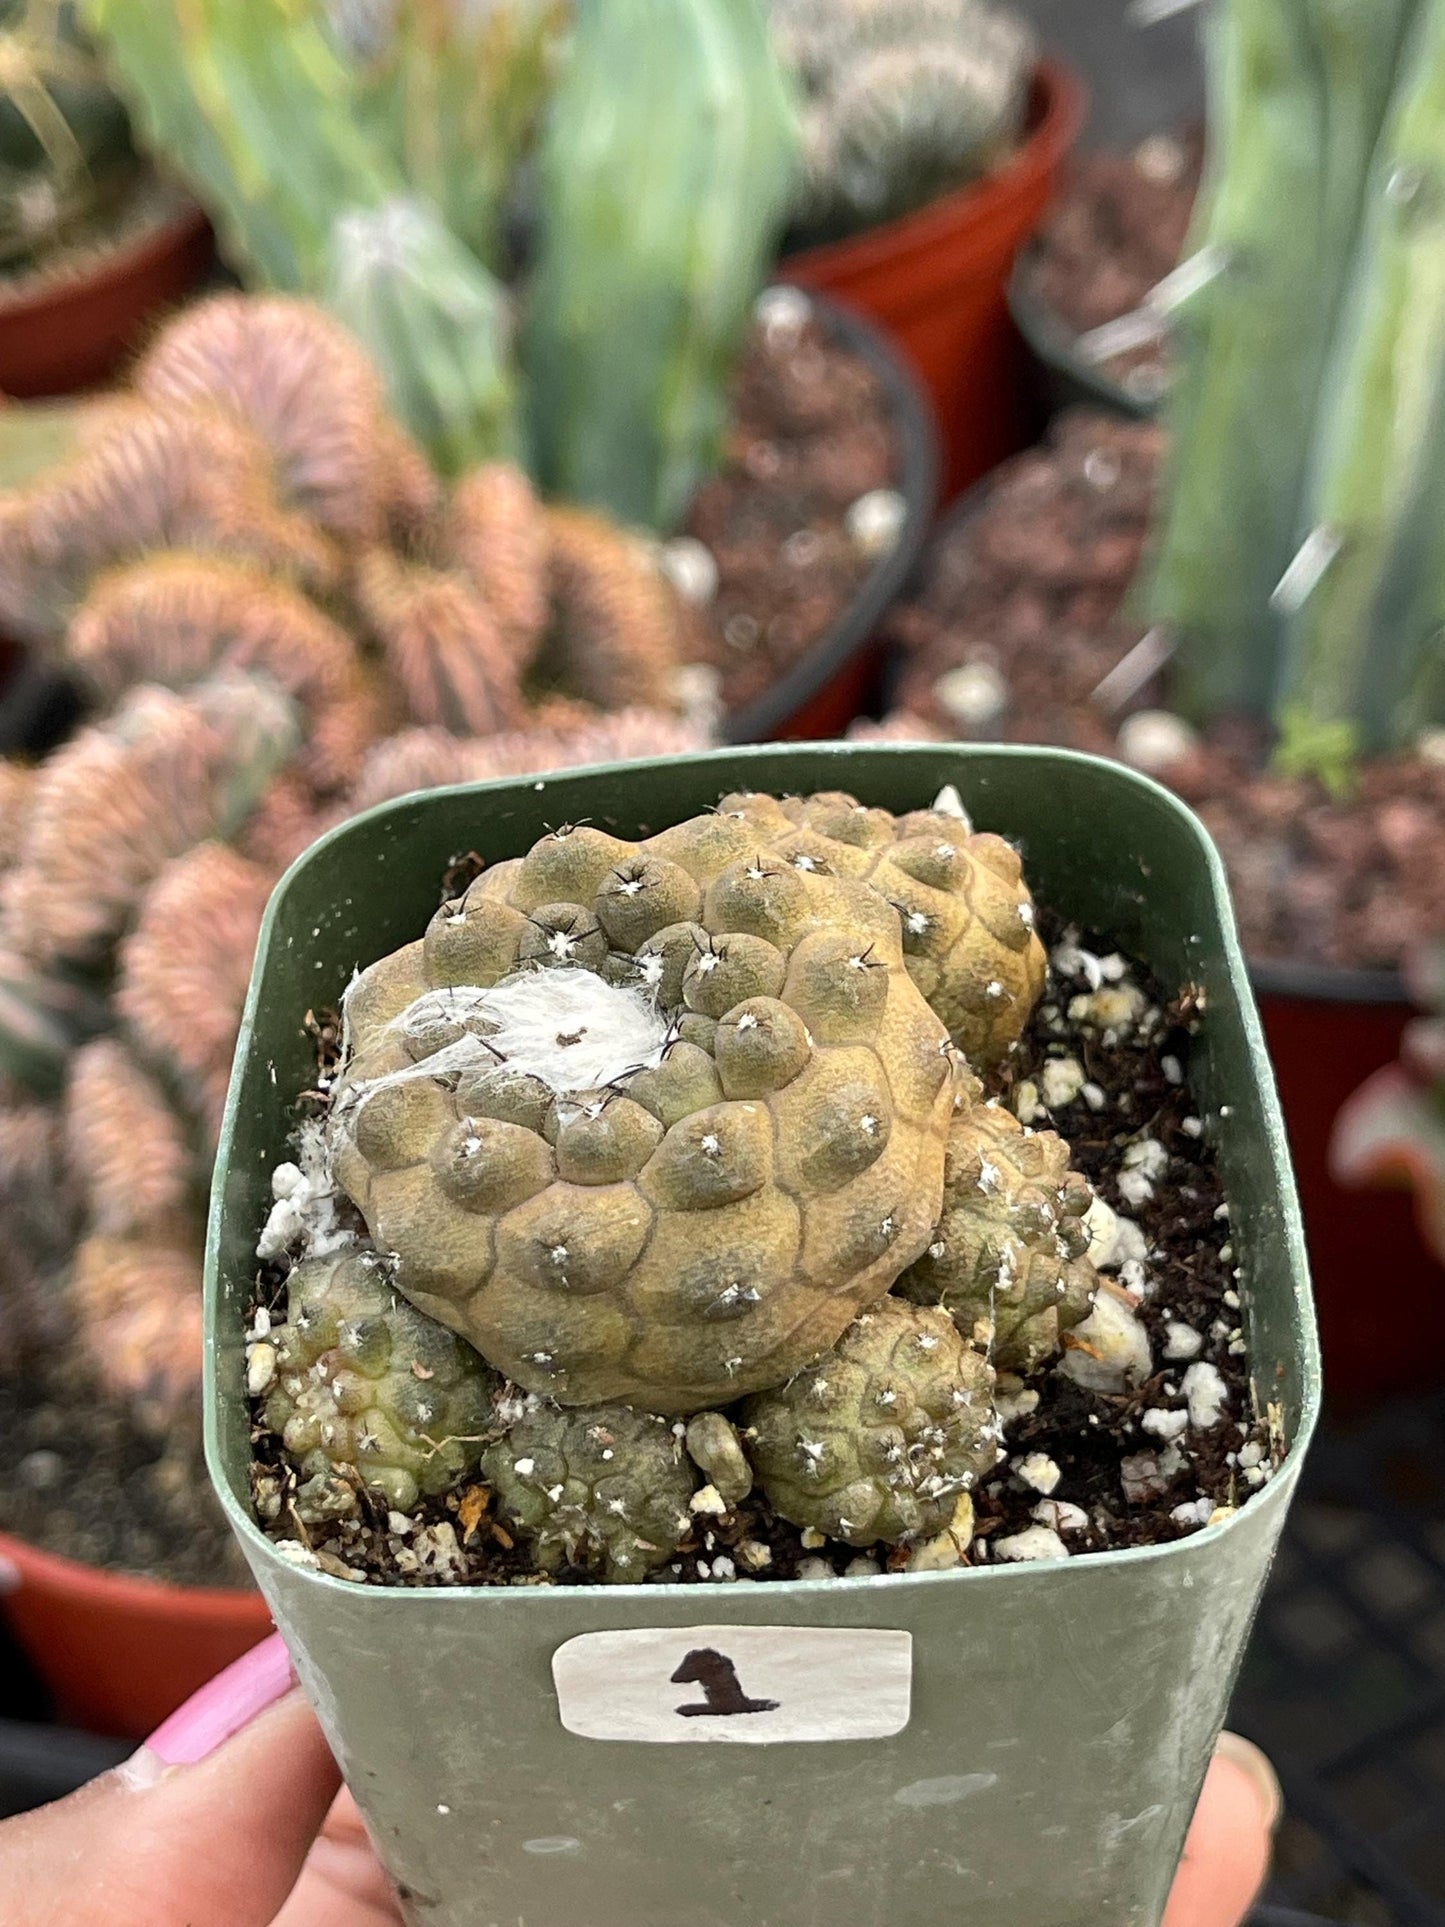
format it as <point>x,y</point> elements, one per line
<point>1367,645</point>
<point>1301,87</point>
<point>666,168</point>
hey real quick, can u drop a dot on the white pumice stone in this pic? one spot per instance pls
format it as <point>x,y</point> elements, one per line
<point>1060,1081</point>
<point>1207,1393</point>
<point>875,521</point>
<point>1034,1542</point>
<point>1153,739</point>
<point>1109,1351</point>
<point>1181,1341</point>
<point>1039,1471</point>
<point>1163,1424</point>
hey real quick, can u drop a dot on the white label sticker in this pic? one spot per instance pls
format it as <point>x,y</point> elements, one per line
<point>741,1685</point>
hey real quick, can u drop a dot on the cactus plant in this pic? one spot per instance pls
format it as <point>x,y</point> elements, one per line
<point>362,1389</point>
<point>665,170</point>
<point>66,158</point>
<point>1294,562</point>
<point>373,162</point>
<point>881,1437</point>
<point>717,1037</point>
<point>1007,1258</point>
<point>199,561</point>
<point>675,1130</point>
<point>607,1487</point>
<point>905,100</point>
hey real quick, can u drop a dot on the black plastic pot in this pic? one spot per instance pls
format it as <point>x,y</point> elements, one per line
<point>828,686</point>
<point>1067,379</point>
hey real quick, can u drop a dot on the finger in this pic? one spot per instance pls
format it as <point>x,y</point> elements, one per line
<point>211,1821</point>
<point>1226,1856</point>
<point>342,1884</point>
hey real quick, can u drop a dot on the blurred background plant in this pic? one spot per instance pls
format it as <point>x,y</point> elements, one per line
<point>1298,549</point>
<point>279,614</point>
<point>66,158</point>
<point>409,165</point>
<point>1392,1132</point>
<point>904,100</point>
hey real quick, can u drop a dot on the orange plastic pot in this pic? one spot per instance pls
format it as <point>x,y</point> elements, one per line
<point>117,1654</point>
<point>58,336</point>
<point>937,282</point>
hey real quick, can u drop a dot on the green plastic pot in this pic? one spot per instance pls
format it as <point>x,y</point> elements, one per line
<point>1061,1715</point>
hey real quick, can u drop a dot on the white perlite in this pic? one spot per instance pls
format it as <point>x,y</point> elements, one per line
<point>1207,1393</point>
<point>1034,1542</point>
<point>565,1026</point>
<point>1109,1351</point>
<point>1181,1340</point>
<point>1060,1081</point>
<point>1039,1471</point>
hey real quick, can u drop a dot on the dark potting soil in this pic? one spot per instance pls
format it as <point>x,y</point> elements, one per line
<point>1084,1470</point>
<point>1024,612</point>
<point>810,435</point>
<point>1116,231</point>
<point>82,1479</point>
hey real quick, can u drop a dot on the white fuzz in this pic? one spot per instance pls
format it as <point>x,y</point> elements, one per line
<point>303,1220</point>
<point>566,1027</point>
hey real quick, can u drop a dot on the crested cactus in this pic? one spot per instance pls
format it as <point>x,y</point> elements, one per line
<point>114,806</point>
<point>1007,1257</point>
<point>606,1488</point>
<point>649,1122</point>
<point>1294,561</point>
<point>904,100</point>
<point>879,1439</point>
<point>195,559</point>
<point>364,1391</point>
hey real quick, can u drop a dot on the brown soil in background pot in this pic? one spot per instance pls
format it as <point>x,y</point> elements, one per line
<point>811,435</point>
<point>1117,230</point>
<point>1023,613</point>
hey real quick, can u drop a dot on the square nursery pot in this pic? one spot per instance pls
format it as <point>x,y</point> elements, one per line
<point>1020,1744</point>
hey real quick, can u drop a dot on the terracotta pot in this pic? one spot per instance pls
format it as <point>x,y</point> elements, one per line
<point>1328,1030</point>
<point>117,1654</point>
<point>937,281</point>
<point>60,335</point>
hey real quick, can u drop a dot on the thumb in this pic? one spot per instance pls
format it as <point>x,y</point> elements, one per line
<point>1226,1856</point>
<point>210,1821</point>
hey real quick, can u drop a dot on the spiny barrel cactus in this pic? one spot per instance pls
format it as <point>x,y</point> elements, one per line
<point>905,100</point>
<point>648,1122</point>
<point>363,1390</point>
<point>1007,1255</point>
<point>880,1438</point>
<point>605,1488</point>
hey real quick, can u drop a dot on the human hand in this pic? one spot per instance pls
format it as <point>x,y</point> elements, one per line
<point>1226,1856</point>
<point>230,1815</point>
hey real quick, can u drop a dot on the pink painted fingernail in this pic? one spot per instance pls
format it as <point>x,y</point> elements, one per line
<point>220,1709</point>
